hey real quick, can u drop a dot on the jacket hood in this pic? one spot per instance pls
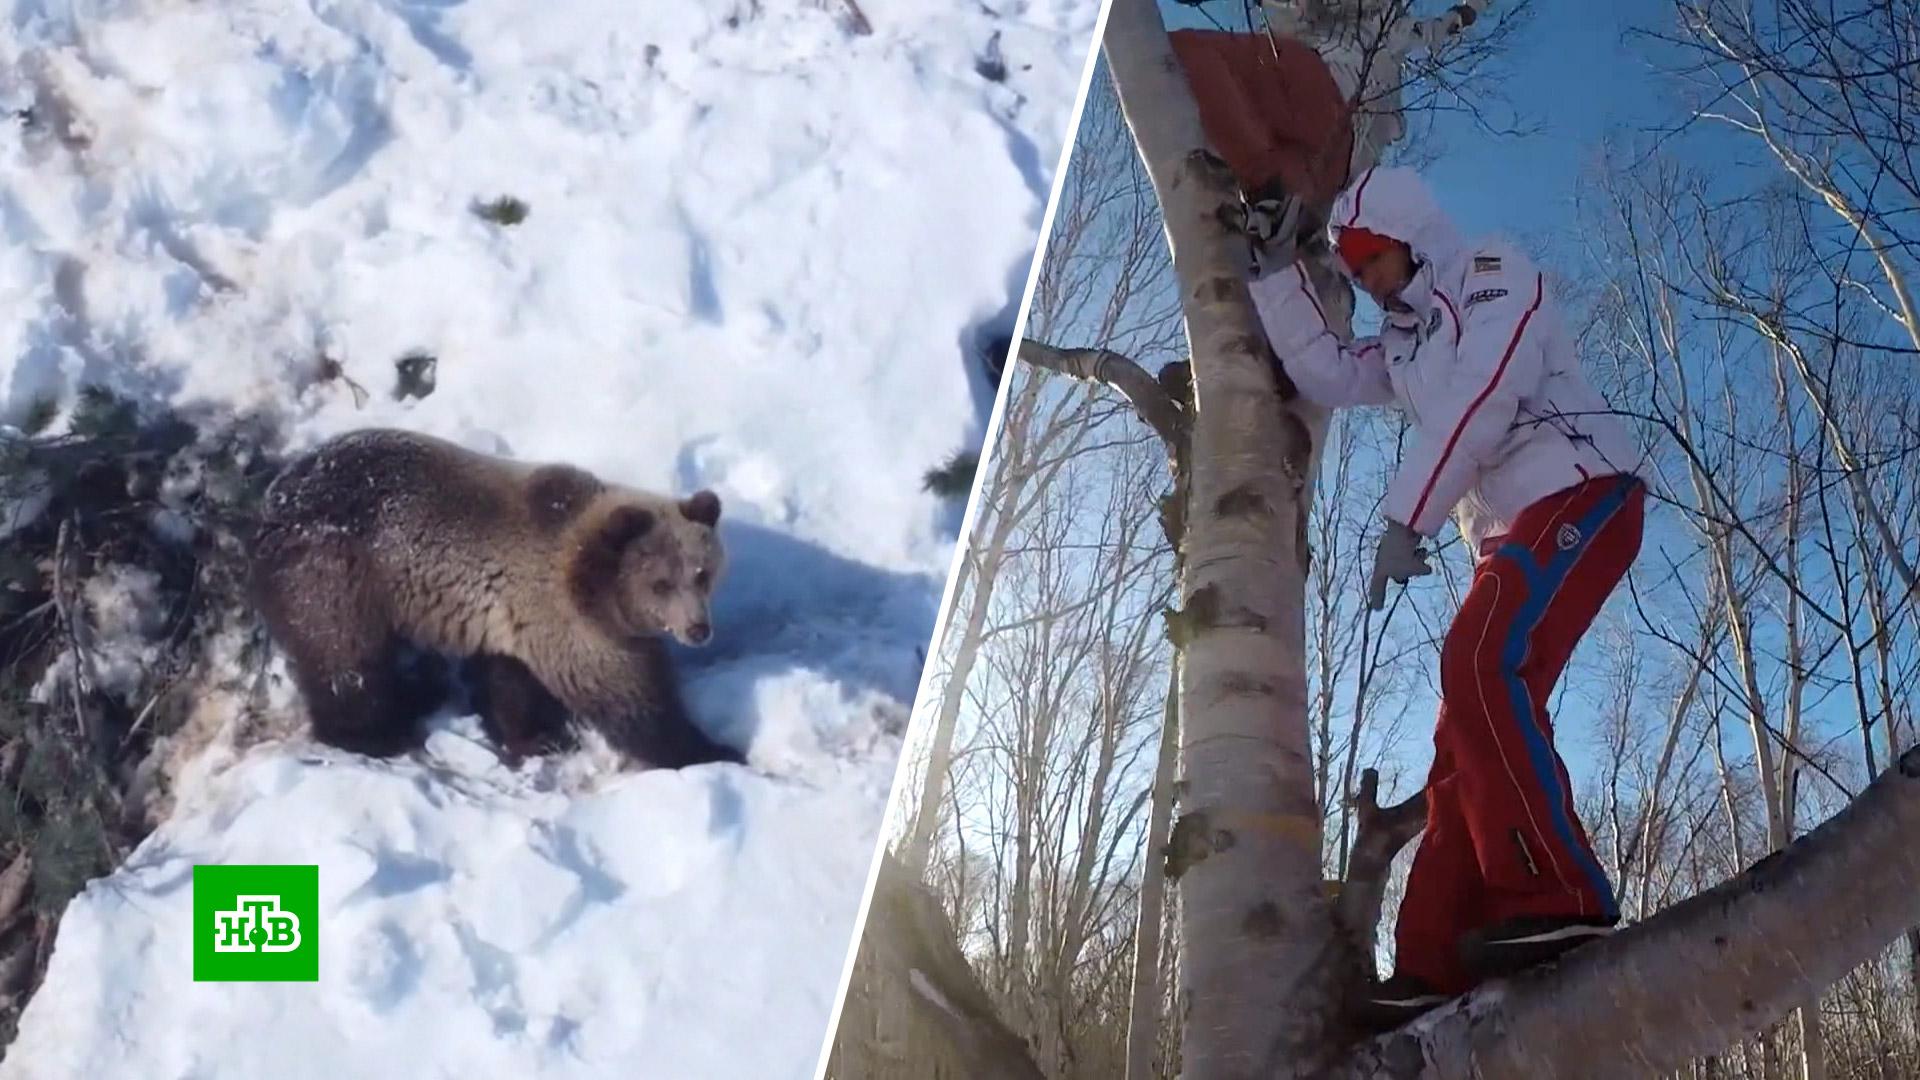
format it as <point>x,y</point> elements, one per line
<point>1397,203</point>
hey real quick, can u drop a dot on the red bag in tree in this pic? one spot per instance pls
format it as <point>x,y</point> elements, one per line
<point>1271,109</point>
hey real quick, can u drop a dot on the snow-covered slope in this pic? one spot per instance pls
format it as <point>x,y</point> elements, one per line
<point>757,251</point>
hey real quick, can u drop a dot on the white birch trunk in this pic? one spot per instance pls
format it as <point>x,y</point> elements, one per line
<point>1256,923</point>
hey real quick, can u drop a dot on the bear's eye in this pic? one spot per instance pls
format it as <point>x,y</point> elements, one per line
<point>662,587</point>
<point>700,578</point>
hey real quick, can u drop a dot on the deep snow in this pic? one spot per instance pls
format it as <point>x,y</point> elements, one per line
<point>759,252</point>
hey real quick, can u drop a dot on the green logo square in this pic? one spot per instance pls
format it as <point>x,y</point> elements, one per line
<point>256,924</point>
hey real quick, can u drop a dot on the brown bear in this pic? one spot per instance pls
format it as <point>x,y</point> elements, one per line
<point>552,588</point>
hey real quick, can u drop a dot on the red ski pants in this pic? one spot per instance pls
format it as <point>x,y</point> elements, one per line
<point>1502,839</point>
<point>1271,109</point>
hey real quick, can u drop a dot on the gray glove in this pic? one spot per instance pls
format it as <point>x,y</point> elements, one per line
<point>1398,558</point>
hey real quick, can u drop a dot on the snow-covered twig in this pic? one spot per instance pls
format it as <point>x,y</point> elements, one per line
<point>29,615</point>
<point>856,18</point>
<point>63,603</point>
<point>146,711</point>
<point>166,685</point>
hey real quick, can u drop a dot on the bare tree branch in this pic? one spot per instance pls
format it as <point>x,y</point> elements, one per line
<point>1141,389</point>
<point>1382,832</point>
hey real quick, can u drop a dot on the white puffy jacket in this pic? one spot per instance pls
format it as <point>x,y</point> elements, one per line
<point>1502,415</point>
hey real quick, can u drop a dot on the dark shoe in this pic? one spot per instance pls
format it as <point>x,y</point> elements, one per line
<point>1383,1006</point>
<point>1510,947</point>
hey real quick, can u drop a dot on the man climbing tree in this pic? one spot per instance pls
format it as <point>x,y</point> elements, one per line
<point>1508,434</point>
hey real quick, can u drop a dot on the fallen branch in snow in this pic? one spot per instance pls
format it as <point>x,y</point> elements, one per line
<point>71,624</point>
<point>131,512</point>
<point>856,19</point>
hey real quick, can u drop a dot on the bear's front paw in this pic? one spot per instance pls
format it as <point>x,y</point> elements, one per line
<point>515,752</point>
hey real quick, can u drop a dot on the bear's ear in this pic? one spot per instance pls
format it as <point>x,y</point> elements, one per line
<point>702,507</point>
<point>557,493</point>
<point>593,570</point>
<point>624,525</point>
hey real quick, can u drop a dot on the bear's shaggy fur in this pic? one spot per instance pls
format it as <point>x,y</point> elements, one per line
<point>552,588</point>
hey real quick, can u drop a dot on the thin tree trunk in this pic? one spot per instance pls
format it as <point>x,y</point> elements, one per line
<point>1796,653</point>
<point>1118,679</point>
<point>1806,1019</point>
<point>1143,1017</point>
<point>1027,780</point>
<point>1753,704</point>
<point>1726,796</point>
<point>1843,450</point>
<point>1808,174</point>
<point>1326,583</point>
<point>1369,664</point>
<point>1005,500</point>
<point>1883,655</point>
<point>1650,839</point>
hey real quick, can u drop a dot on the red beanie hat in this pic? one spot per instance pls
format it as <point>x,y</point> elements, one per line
<point>1359,246</point>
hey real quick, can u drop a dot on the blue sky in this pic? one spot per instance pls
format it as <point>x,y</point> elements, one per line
<point>1574,75</point>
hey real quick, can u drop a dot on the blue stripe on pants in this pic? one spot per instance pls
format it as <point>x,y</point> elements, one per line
<point>1543,584</point>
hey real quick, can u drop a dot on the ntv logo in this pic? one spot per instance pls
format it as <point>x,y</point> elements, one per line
<point>256,924</point>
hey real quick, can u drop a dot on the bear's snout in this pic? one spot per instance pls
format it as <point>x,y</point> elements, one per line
<point>698,633</point>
